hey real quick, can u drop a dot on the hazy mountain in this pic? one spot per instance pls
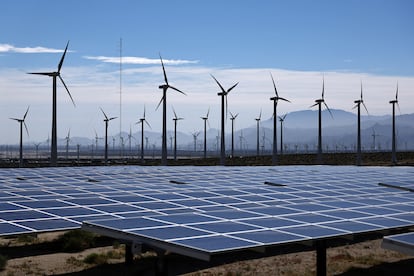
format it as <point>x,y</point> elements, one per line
<point>300,129</point>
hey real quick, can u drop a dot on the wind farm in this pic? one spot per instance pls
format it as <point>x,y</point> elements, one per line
<point>213,146</point>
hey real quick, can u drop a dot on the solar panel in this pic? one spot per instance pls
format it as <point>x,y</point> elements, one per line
<point>403,243</point>
<point>202,211</point>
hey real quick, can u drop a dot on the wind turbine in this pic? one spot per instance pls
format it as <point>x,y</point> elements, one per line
<point>205,119</point>
<point>175,119</point>
<point>393,102</point>
<point>22,122</point>
<point>54,75</point>
<point>67,138</point>
<point>130,137</point>
<point>358,105</point>
<point>96,140</point>
<point>232,118</point>
<point>164,88</point>
<point>106,120</point>
<point>275,100</point>
<point>281,119</point>
<point>374,136</point>
<point>318,103</point>
<point>257,130</point>
<point>195,135</point>
<point>223,95</point>
<point>142,121</point>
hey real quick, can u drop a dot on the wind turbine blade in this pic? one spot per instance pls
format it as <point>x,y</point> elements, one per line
<point>274,84</point>
<point>162,99</point>
<point>25,126</point>
<point>112,118</point>
<point>106,117</point>
<point>163,70</point>
<point>327,107</point>
<point>208,112</point>
<point>225,97</point>
<point>231,88</point>
<point>396,93</point>
<point>284,116</point>
<point>361,92</point>
<point>148,124</point>
<point>42,73</point>
<point>323,88</point>
<point>176,89</point>
<point>260,114</point>
<point>15,119</point>
<point>175,114</point>
<point>63,57</point>
<point>236,115</point>
<point>366,109</point>
<point>283,99</point>
<point>399,110</point>
<point>231,114</point>
<point>144,113</point>
<point>221,87</point>
<point>64,84</point>
<point>25,114</point>
<point>314,105</point>
<point>355,106</point>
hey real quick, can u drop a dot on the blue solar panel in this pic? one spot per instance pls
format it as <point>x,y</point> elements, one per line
<point>403,243</point>
<point>216,243</point>
<point>270,237</point>
<point>213,209</point>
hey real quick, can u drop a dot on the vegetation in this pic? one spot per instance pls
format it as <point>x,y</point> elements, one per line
<point>77,240</point>
<point>103,258</point>
<point>3,262</point>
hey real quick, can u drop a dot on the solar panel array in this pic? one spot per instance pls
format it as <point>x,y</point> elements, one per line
<point>207,210</point>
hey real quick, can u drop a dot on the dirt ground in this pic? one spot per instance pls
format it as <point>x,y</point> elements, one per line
<point>366,258</point>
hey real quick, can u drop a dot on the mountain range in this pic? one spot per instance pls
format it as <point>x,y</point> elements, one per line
<point>299,132</point>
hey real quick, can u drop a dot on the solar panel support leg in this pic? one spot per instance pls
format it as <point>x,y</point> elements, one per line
<point>321,258</point>
<point>161,267</point>
<point>129,256</point>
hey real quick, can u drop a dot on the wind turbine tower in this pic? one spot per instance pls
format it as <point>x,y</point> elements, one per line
<point>281,119</point>
<point>142,121</point>
<point>195,135</point>
<point>275,100</point>
<point>358,105</point>
<point>205,119</point>
<point>223,94</point>
<point>106,120</point>
<point>319,103</point>
<point>175,119</point>
<point>22,122</point>
<point>257,133</point>
<point>164,88</point>
<point>394,142</point>
<point>232,118</point>
<point>55,75</point>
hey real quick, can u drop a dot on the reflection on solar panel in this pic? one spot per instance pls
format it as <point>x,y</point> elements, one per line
<point>403,243</point>
<point>202,211</point>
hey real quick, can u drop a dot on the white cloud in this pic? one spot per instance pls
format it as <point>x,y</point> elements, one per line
<point>140,60</point>
<point>7,48</point>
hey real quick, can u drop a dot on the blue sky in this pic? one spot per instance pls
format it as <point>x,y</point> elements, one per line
<point>237,41</point>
